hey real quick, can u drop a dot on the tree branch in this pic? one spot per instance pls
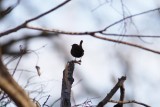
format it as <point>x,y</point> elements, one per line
<point>10,86</point>
<point>67,82</point>
<point>126,43</point>
<point>23,25</point>
<point>131,16</point>
<point>127,102</point>
<point>93,34</point>
<point>112,92</point>
<point>43,14</point>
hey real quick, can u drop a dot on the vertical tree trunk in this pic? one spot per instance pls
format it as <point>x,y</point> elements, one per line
<point>67,82</point>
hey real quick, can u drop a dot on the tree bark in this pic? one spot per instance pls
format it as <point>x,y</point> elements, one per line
<point>11,87</point>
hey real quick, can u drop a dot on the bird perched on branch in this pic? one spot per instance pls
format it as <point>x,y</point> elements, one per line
<point>77,50</point>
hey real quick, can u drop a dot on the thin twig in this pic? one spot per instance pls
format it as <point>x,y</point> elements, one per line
<point>22,52</point>
<point>17,65</point>
<point>121,20</point>
<point>44,104</point>
<point>131,35</point>
<point>55,102</point>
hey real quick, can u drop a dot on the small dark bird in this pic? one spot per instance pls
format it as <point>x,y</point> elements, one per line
<point>77,50</point>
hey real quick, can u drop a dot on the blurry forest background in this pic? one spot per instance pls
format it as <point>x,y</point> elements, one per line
<point>103,61</point>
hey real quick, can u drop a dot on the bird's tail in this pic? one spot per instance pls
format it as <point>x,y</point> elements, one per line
<point>81,42</point>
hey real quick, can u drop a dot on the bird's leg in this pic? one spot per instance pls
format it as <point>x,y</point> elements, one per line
<point>80,59</point>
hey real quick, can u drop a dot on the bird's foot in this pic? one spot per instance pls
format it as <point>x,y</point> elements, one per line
<point>77,61</point>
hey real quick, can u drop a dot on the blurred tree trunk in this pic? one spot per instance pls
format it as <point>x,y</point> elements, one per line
<point>10,87</point>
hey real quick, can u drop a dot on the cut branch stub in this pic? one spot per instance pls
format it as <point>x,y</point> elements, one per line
<point>67,82</point>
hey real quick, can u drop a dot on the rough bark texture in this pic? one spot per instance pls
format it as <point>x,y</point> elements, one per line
<point>67,82</point>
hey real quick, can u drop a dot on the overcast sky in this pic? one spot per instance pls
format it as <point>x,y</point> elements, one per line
<point>103,62</point>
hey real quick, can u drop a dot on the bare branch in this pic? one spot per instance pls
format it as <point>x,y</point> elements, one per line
<point>43,14</point>
<point>67,82</point>
<point>59,31</point>
<point>10,86</point>
<point>122,94</point>
<point>9,9</point>
<point>93,34</point>
<point>44,104</point>
<point>23,25</point>
<point>22,51</point>
<point>131,35</point>
<point>132,101</point>
<point>126,43</point>
<point>12,30</point>
<point>88,32</point>
<point>119,21</point>
<point>112,92</point>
